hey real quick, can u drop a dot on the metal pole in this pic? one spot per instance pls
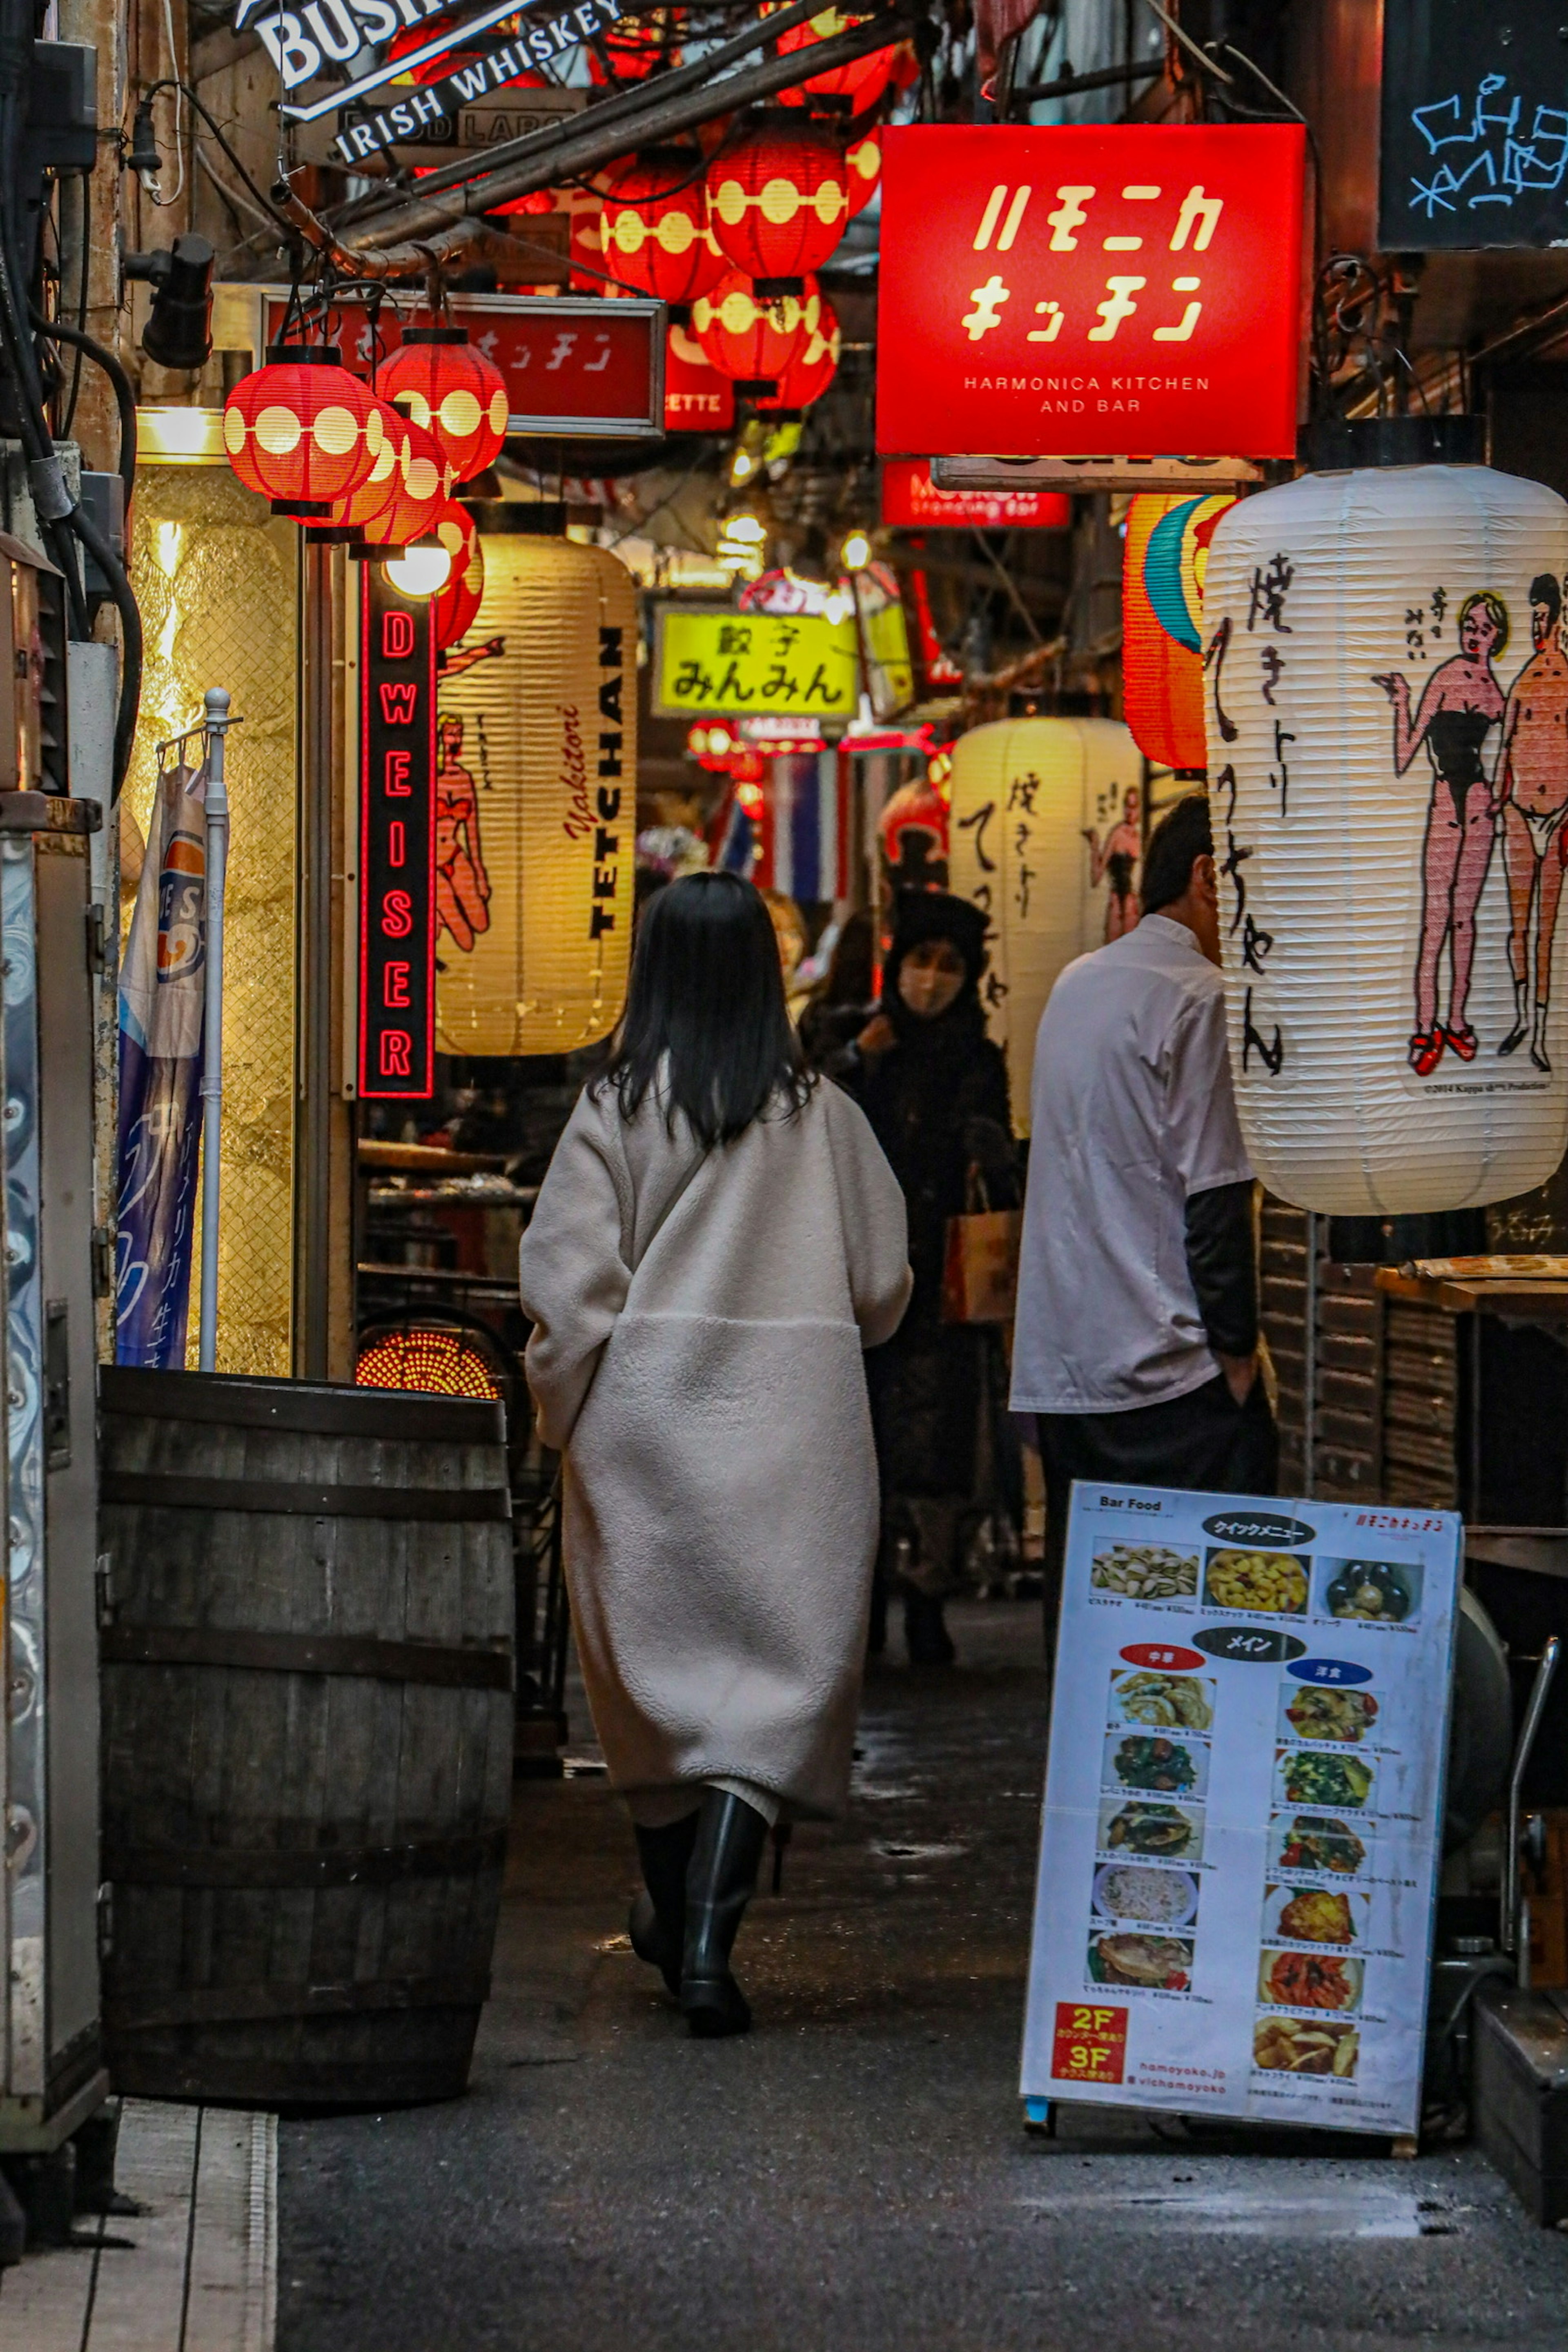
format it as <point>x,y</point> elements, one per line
<point>314,1161</point>
<point>218,704</point>
<point>1310,1360</point>
<point>1534,1709</point>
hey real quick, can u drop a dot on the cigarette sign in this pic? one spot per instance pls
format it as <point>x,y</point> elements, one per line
<point>1134,288</point>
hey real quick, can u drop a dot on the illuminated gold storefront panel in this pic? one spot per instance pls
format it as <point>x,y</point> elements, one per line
<point>216,580</point>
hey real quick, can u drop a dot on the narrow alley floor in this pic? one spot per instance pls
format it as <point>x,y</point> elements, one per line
<point>854,2177</point>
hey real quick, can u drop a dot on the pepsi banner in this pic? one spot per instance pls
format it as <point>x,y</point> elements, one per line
<point>396,844</point>
<point>161,990</point>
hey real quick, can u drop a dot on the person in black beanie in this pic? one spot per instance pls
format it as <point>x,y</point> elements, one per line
<point>934,1089</point>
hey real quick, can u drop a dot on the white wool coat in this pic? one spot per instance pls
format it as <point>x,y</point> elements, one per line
<point>699,1322</point>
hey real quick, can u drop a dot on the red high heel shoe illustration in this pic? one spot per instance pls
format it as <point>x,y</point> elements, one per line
<point>1426,1051</point>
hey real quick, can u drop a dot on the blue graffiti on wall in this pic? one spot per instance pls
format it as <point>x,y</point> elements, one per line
<point>1496,161</point>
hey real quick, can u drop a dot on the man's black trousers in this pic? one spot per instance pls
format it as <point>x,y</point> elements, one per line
<point>1202,1441</point>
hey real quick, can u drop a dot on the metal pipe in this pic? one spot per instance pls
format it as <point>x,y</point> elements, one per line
<point>1034,93</point>
<point>429,226</point>
<point>622,103</point>
<point>1544,1671</point>
<point>218,722</point>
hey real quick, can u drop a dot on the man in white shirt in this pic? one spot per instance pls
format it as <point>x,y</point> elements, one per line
<point>1137,1342</point>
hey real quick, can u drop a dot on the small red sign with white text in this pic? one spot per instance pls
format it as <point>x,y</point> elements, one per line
<point>573,364</point>
<point>1163,1654</point>
<point>1054,291</point>
<point>911,500</point>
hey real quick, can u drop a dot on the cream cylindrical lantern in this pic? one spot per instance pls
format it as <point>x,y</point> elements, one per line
<point>1387,719</point>
<point>1044,835</point>
<point>536,800</point>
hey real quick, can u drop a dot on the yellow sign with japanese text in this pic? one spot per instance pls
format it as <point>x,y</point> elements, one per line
<point>721,663</point>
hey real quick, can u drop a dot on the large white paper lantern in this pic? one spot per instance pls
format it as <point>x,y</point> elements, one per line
<point>536,799</point>
<point>1044,835</point>
<point>1387,719</point>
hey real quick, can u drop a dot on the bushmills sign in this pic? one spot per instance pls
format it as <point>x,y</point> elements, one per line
<point>328,36</point>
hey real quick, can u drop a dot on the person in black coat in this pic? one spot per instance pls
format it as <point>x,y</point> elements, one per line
<point>934,1089</point>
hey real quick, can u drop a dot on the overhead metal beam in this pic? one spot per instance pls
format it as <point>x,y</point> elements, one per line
<point>623,104</point>
<point>437,227</point>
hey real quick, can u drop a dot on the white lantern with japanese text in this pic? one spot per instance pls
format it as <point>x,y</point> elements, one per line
<point>1045,833</point>
<point>1387,719</point>
<point>535,799</point>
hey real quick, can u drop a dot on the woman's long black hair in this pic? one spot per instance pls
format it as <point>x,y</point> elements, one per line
<point>705,1016</point>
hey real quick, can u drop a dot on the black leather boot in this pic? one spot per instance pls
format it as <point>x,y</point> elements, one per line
<point>926,1636</point>
<point>658,1924</point>
<point>720,1883</point>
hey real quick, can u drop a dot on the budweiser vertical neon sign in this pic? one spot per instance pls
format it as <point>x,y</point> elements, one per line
<point>397,844</point>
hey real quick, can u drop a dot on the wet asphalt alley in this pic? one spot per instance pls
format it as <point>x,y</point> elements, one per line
<point>854,2176</point>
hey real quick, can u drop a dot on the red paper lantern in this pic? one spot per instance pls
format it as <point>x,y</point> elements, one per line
<point>453,391</point>
<point>779,204</point>
<point>425,478</point>
<point>862,81</point>
<point>656,232</point>
<point>1162,572</point>
<point>585,237</point>
<point>863,169</point>
<point>813,368</point>
<point>414,37</point>
<point>634,49</point>
<point>749,340</point>
<point>355,516</point>
<point>459,600</point>
<point>302,431</point>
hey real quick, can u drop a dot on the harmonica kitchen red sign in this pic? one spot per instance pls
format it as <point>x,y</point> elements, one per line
<point>1058,291</point>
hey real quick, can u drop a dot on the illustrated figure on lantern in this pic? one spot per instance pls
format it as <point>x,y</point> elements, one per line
<point>462,886</point>
<point>1460,704</point>
<point>1115,862</point>
<point>453,660</point>
<point>1533,771</point>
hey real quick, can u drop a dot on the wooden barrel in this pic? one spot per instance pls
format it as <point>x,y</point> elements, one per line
<point>307,1656</point>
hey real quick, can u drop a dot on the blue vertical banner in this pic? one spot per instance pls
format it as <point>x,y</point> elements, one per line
<point>161,987</point>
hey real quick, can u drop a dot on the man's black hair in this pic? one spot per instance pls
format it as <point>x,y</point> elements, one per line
<point>705,1024</point>
<point>1543,590</point>
<point>1183,835</point>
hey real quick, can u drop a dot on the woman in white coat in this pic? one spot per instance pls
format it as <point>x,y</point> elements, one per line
<point>718,1238</point>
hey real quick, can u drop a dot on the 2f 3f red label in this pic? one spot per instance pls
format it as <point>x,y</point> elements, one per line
<point>397,912</point>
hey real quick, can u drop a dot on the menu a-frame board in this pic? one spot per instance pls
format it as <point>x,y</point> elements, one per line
<point>1244,1804</point>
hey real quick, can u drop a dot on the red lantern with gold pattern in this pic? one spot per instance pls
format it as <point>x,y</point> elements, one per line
<point>860,83</point>
<point>863,168</point>
<point>778,203</point>
<point>750,339</point>
<point>425,478</point>
<point>302,431</point>
<point>352,518</point>
<point>634,48</point>
<point>656,235</point>
<point>442,384</point>
<point>813,368</point>
<point>459,600</point>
